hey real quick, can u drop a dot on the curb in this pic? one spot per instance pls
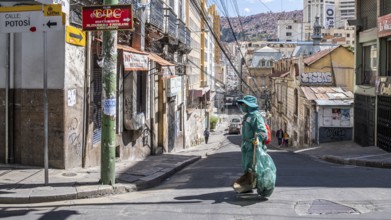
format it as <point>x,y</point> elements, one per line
<point>355,162</point>
<point>92,191</point>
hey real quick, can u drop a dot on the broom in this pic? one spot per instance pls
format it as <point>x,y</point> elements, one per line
<point>247,181</point>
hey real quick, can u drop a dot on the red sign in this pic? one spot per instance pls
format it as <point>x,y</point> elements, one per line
<point>384,25</point>
<point>107,17</point>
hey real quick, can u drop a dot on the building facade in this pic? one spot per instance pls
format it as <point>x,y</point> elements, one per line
<point>155,83</point>
<point>372,93</point>
<point>312,100</point>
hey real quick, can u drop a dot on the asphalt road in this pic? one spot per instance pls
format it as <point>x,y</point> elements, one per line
<point>306,188</point>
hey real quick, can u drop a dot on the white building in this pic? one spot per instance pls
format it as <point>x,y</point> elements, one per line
<point>290,30</point>
<point>332,13</point>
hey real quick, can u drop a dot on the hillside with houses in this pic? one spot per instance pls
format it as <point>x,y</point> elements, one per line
<point>256,27</point>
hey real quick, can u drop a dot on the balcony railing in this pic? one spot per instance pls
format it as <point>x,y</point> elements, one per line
<point>156,14</point>
<point>181,31</point>
<point>170,23</point>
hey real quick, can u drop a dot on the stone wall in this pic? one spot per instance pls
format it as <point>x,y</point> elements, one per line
<point>28,132</point>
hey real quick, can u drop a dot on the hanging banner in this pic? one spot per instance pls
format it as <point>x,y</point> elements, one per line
<point>134,61</point>
<point>329,16</point>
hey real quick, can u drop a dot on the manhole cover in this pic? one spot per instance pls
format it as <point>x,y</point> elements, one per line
<point>69,174</point>
<point>325,207</point>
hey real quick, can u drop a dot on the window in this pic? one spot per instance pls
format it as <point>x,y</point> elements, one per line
<point>141,92</point>
<point>288,34</point>
<point>369,66</point>
<point>263,62</point>
<point>289,27</point>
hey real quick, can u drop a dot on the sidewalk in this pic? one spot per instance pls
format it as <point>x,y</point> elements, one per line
<point>21,184</point>
<point>345,152</point>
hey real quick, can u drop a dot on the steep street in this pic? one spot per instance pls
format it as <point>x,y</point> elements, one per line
<point>306,188</point>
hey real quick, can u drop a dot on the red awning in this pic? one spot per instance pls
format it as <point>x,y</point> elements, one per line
<point>159,60</point>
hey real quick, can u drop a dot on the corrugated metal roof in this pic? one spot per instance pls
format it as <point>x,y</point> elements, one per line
<point>326,93</point>
<point>334,102</point>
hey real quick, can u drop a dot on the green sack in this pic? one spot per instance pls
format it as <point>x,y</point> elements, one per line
<point>266,172</point>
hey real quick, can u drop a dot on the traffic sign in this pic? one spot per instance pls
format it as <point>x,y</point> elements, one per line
<point>30,18</point>
<point>107,17</point>
<point>75,36</point>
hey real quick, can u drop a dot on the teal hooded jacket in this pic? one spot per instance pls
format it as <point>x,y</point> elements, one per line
<point>253,125</point>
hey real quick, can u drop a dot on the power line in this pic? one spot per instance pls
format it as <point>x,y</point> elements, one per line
<point>239,46</point>
<point>204,17</point>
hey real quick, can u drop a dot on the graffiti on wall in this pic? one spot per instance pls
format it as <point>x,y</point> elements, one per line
<point>330,134</point>
<point>74,136</point>
<point>316,78</point>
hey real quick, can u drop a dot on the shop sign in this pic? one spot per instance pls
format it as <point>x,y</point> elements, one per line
<point>107,17</point>
<point>134,61</point>
<point>383,86</point>
<point>174,86</point>
<point>384,25</point>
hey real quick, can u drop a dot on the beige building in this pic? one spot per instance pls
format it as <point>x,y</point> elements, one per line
<point>312,98</point>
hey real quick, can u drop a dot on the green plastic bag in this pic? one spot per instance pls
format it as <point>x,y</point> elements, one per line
<point>265,172</point>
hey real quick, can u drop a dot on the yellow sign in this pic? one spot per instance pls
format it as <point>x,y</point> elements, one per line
<point>49,10</point>
<point>75,36</point>
<point>52,10</point>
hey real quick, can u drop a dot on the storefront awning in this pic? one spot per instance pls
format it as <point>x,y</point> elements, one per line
<point>159,60</point>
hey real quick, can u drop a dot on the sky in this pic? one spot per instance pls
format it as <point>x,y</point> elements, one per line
<point>250,7</point>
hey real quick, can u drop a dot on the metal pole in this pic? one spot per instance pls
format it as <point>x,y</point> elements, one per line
<point>109,104</point>
<point>45,89</point>
<point>7,86</point>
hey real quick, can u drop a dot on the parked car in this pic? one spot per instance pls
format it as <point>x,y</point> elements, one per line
<point>236,120</point>
<point>234,128</point>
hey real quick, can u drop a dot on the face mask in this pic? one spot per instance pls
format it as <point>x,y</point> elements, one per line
<point>243,109</point>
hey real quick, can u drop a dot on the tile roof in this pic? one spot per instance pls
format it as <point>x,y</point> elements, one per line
<point>312,59</point>
<point>326,93</point>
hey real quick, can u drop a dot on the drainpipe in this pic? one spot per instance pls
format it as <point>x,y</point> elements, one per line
<point>9,151</point>
<point>86,98</point>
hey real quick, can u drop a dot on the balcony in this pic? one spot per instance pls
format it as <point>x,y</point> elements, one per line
<point>181,31</point>
<point>156,14</point>
<point>170,25</point>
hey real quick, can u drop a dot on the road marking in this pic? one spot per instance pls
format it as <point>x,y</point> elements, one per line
<point>298,151</point>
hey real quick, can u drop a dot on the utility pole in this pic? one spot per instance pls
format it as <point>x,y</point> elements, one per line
<point>109,103</point>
